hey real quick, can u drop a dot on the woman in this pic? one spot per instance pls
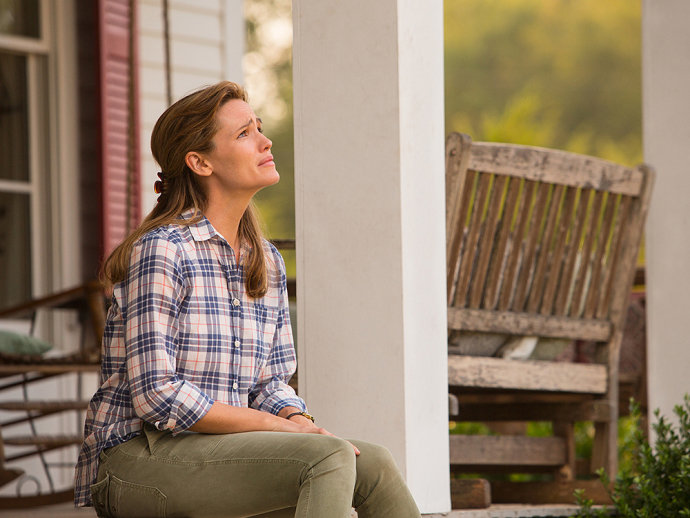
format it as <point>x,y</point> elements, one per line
<point>194,416</point>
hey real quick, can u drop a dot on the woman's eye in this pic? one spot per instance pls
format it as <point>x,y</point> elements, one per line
<point>243,134</point>
<point>261,130</point>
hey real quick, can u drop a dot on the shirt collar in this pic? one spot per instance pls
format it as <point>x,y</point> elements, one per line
<point>202,230</point>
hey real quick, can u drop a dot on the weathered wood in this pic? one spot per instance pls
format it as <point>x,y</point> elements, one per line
<point>7,475</point>
<point>530,248</point>
<point>556,258</point>
<point>43,406</point>
<point>566,431</point>
<point>48,368</point>
<point>510,450</point>
<point>487,411</point>
<point>549,252</point>
<point>548,492</point>
<point>529,190</point>
<point>493,373</point>
<point>470,493</point>
<point>68,299</point>
<point>494,279</point>
<point>458,243</point>
<point>469,251</point>
<point>597,262</point>
<point>457,199</point>
<point>478,396</point>
<point>614,255</point>
<point>49,441</point>
<point>487,243</point>
<point>521,511</point>
<point>544,252</point>
<point>457,157</point>
<point>571,256</point>
<point>558,167</point>
<point>527,324</point>
<point>581,276</point>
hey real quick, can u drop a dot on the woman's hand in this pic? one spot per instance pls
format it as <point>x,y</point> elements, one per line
<point>306,425</point>
<point>224,418</point>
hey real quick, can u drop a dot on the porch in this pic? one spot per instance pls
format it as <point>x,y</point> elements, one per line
<point>495,511</point>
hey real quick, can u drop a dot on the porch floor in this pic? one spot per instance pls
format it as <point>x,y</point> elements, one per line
<point>67,510</point>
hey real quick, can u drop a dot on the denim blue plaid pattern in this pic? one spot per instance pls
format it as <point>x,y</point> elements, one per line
<point>182,333</point>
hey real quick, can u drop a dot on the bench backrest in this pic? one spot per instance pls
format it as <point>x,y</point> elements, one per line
<point>541,242</point>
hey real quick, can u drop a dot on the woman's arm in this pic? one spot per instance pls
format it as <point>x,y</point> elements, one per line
<point>152,297</point>
<point>224,418</point>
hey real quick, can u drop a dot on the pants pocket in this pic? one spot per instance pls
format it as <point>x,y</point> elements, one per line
<point>117,498</point>
<point>99,497</point>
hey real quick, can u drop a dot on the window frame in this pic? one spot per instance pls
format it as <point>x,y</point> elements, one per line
<point>51,68</point>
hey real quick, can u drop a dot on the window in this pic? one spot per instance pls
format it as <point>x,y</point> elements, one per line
<point>23,56</point>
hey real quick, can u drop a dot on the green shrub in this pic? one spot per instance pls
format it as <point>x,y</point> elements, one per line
<point>657,483</point>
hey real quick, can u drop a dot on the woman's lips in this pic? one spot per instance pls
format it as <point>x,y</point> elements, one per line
<point>267,161</point>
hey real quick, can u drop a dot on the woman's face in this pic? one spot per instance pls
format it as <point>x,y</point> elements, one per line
<point>241,159</point>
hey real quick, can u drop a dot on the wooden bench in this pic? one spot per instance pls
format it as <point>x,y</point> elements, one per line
<point>542,244</point>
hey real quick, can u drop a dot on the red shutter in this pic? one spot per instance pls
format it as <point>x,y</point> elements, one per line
<point>121,197</point>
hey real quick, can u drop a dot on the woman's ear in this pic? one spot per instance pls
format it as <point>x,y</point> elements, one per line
<point>198,164</point>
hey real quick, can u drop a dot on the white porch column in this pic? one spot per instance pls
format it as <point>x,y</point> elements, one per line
<point>666,116</point>
<point>369,167</point>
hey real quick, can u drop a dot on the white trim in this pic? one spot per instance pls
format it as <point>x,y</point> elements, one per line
<point>37,136</point>
<point>64,146</point>
<point>23,44</point>
<point>46,15</point>
<point>14,186</point>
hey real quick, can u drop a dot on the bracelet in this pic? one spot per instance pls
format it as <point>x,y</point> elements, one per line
<point>308,416</point>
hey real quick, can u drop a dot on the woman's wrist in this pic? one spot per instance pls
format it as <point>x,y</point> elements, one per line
<point>300,413</point>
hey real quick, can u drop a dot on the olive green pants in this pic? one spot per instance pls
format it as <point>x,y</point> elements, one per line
<point>266,474</point>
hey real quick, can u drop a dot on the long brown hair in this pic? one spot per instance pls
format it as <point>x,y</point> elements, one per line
<point>190,125</point>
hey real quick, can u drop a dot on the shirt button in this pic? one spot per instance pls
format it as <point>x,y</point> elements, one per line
<point>235,385</point>
<point>237,343</point>
<point>235,302</point>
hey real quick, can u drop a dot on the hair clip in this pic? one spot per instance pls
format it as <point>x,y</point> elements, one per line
<point>159,185</point>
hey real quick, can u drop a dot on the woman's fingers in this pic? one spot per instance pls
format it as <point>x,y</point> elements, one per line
<point>355,448</point>
<point>323,431</point>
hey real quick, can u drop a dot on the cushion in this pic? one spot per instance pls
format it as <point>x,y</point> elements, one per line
<point>474,343</point>
<point>14,343</point>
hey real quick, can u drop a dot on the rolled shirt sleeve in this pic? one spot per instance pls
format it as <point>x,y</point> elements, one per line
<point>154,293</point>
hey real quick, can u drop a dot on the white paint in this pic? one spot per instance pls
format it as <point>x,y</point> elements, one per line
<point>206,46</point>
<point>369,165</point>
<point>666,112</point>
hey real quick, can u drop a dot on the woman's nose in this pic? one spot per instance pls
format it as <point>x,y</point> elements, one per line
<point>267,144</point>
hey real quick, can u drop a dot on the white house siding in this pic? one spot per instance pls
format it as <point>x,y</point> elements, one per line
<point>206,46</point>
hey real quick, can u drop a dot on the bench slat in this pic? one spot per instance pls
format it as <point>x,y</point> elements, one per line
<point>498,373</point>
<point>548,166</point>
<point>513,450</point>
<point>526,324</point>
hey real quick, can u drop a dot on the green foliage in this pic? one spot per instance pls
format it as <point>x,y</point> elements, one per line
<point>558,74</point>
<point>658,481</point>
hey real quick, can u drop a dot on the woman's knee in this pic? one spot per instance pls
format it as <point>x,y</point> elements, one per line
<point>337,451</point>
<point>375,456</point>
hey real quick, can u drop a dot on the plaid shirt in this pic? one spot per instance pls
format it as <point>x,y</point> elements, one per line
<point>182,333</point>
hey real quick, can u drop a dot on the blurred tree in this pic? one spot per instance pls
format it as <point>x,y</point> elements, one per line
<point>268,71</point>
<point>562,73</point>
